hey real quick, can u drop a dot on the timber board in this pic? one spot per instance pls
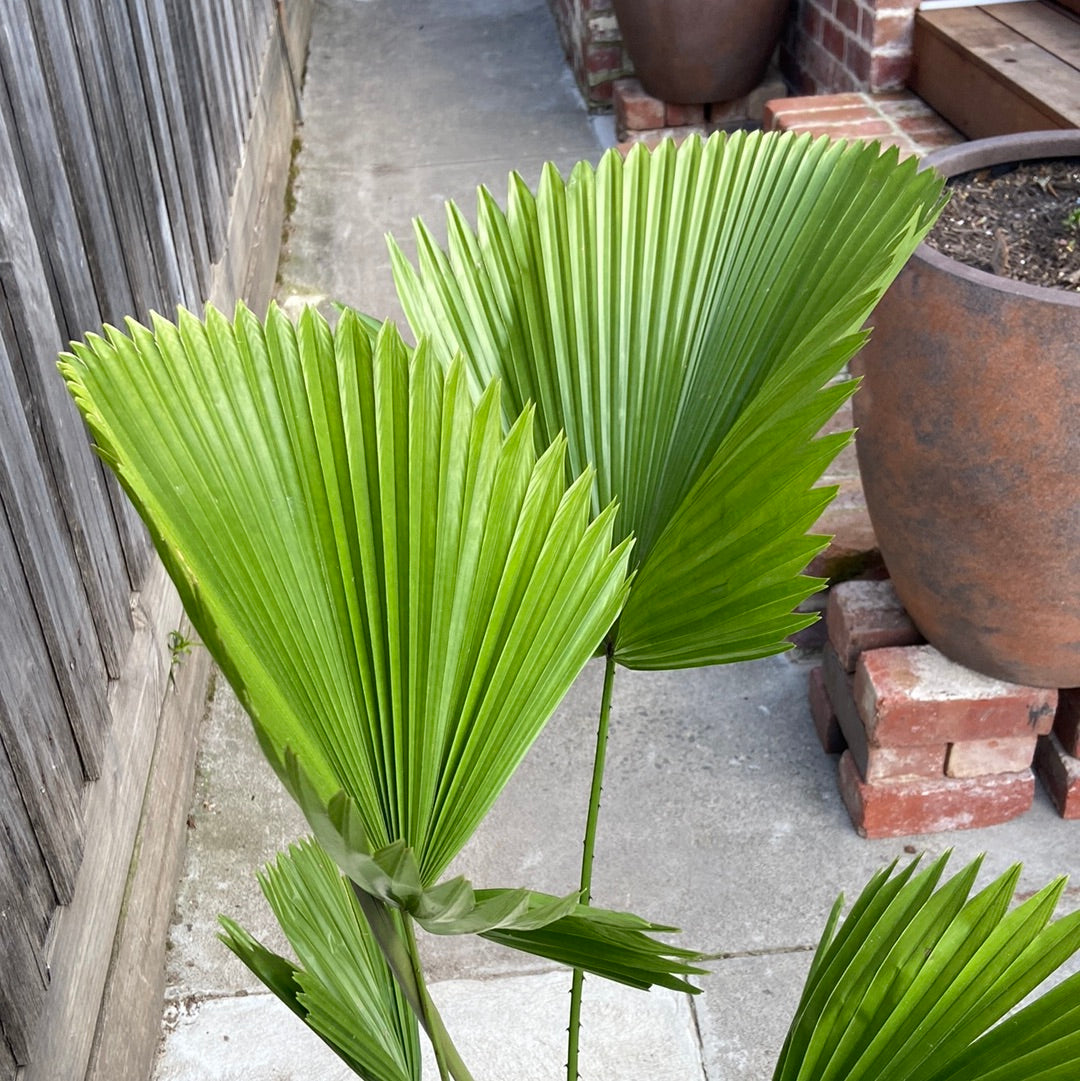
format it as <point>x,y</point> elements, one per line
<point>986,78</point>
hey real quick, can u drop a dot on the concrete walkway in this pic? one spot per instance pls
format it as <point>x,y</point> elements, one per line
<point>721,813</point>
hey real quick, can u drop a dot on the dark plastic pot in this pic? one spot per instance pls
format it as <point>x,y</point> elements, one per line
<point>969,450</point>
<point>695,51</point>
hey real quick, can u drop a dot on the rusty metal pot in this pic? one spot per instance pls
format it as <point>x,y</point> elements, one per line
<point>696,51</point>
<point>969,450</point>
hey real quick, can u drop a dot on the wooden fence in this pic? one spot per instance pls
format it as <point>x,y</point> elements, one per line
<point>136,139</point>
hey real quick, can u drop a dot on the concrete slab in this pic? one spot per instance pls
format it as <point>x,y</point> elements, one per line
<point>508,1028</point>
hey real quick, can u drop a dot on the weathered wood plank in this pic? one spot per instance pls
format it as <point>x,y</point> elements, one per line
<point>22,991</point>
<point>83,253</point>
<point>214,51</point>
<point>128,1026</point>
<point>143,187</point>
<point>34,729</point>
<point>214,186</point>
<point>1046,26</point>
<point>40,543</point>
<point>27,901</point>
<point>82,154</point>
<point>985,79</point>
<point>134,28</point>
<point>179,131</point>
<point>54,423</point>
<point>83,939</point>
<point>114,145</point>
<point>44,178</point>
<point>8,1065</point>
<point>250,263</point>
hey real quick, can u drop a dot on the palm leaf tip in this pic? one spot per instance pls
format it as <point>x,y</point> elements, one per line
<point>677,314</point>
<point>914,983</point>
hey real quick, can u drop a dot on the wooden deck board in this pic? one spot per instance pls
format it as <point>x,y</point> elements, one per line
<point>1046,25</point>
<point>982,71</point>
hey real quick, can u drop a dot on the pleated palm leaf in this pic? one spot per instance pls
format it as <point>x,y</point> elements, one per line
<point>913,985</point>
<point>400,595</point>
<point>679,315</point>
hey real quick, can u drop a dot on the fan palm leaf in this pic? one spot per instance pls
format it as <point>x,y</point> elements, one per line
<point>677,316</point>
<point>399,594</point>
<point>912,985</point>
<point>341,985</point>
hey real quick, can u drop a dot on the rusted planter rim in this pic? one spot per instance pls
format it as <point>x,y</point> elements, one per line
<point>978,154</point>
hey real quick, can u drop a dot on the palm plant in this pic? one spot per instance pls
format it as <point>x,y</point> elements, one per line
<point>400,566</point>
<point>679,316</point>
<point>400,595</point>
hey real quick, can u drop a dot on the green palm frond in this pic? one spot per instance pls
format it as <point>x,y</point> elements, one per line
<point>399,593</point>
<point>677,316</point>
<point>912,984</point>
<point>340,987</point>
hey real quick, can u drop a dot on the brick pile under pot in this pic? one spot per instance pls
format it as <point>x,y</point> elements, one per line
<point>926,745</point>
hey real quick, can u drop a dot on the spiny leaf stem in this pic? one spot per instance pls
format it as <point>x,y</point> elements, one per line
<point>588,850</point>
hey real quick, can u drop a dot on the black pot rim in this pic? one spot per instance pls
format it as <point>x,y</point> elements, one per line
<point>997,150</point>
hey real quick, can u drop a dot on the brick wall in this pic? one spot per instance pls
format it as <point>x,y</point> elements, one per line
<point>593,45</point>
<point>836,45</point>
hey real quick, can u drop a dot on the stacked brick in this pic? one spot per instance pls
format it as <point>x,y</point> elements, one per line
<point>894,119</point>
<point>1057,759</point>
<point>836,45</point>
<point>927,745</point>
<point>592,41</point>
<point>639,117</point>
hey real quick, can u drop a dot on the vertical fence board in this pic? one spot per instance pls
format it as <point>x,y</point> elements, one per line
<point>25,895</point>
<point>34,730</point>
<point>44,179</point>
<point>53,420</point>
<point>214,185</point>
<point>40,539</point>
<point>170,248</point>
<point>121,179</point>
<point>55,219</point>
<point>87,175</point>
<point>154,24</point>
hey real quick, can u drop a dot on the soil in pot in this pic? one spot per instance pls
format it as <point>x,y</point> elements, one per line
<point>1020,221</point>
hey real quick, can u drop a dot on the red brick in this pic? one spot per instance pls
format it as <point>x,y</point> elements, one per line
<point>865,615</point>
<point>978,757</point>
<point>1067,720</point>
<point>832,37</point>
<point>847,13</point>
<point>808,104</point>
<point>888,71</point>
<point>677,116</point>
<point>603,59</point>
<point>927,124</point>
<point>636,109</point>
<point>1059,772</point>
<point>894,33</point>
<point>825,723</point>
<point>905,807</point>
<point>913,694</point>
<point>857,59</point>
<point>874,761</point>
